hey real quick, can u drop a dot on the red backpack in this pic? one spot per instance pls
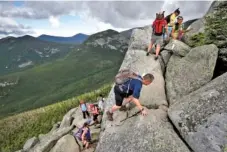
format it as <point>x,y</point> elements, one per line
<point>158,26</point>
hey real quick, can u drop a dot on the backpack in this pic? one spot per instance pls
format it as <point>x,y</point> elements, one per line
<point>125,75</point>
<point>167,18</point>
<point>158,27</point>
<point>79,133</point>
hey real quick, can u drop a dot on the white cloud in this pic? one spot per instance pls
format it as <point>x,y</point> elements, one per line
<point>87,25</point>
<point>115,15</point>
<point>9,27</point>
<point>54,21</point>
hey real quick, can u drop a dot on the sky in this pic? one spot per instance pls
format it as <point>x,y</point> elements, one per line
<point>67,18</point>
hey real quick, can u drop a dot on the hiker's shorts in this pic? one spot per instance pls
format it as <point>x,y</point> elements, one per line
<point>95,117</point>
<point>119,95</point>
<point>170,28</point>
<point>157,39</point>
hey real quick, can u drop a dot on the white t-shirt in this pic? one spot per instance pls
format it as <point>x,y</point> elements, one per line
<point>101,103</point>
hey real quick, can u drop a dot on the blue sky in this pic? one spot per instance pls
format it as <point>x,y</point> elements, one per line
<point>68,18</point>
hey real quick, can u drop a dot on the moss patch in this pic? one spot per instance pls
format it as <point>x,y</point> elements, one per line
<point>197,40</point>
<point>215,31</point>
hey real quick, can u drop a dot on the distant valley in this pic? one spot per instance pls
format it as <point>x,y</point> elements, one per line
<point>73,70</point>
<point>18,54</point>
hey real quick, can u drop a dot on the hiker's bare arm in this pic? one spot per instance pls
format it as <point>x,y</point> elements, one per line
<point>137,103</point>
<point>83,135</point>
<point>172,34</point>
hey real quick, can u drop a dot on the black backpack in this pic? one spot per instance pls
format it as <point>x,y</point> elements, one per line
<point>167,18</point>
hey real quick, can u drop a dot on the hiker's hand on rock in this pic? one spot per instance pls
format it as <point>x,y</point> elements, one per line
<point>144,112</point>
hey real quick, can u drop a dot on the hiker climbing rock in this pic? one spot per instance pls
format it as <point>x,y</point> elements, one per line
<point>95,112</point>
<point>84,135</point>
<point>178,29</point>
<point>170,19</point>
<point>128,86</point>
<point>157,38</point>
<point>84,109</point>
<point>101,103</point>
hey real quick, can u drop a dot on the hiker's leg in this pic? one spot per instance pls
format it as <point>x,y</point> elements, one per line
<point>150,46</point>
<point>87,144</point>
<point>159,42</point>
<point>87,114</point>
<point>115,108</point>
<point>118,99</point>
<point>157,50</point>
<point>84,114</point>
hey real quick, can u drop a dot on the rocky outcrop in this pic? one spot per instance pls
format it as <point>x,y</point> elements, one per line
<point>67,119</point>
<point>48,141</point>
<point>60,138</point>
<point>211,29</point>
<point>30,143</point>
<point>66,144</point>
<point>140,38</point>
<point>177,48</point>
<point>197,27</point>
<point>201,117</point>
<point>191,72</point>
<point>142,134</point>
<point>150,133</point>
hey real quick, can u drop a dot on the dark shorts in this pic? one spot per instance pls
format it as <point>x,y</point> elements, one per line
<point>119,95</point>
<point>95,117</point>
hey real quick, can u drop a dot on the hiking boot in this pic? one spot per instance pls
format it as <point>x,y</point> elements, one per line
<point>147,53</point>
<point>109,116</point>
<point>123,108</point>
<point>156,57</point>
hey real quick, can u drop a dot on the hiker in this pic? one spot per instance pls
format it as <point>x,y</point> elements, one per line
<point>129,90</point>
<point>84,109</point>
<point>84,135</point>
<point>178,29</point>
<point>170,19</point>
<point>101,103</point>
<point>159,28</point>
<point>95,112</point>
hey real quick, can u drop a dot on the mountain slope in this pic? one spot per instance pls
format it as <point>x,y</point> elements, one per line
<point>76,39</point>
<point>85,68</point>
<point>20,53</point>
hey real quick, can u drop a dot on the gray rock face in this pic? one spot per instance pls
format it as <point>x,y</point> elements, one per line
<point>67,119</point>
<point>178,48</point>
<point>152,133</point>
<point>197,27</point>
<point>48,141</point>
<point>30,143</point>
<point>66,144</point>
<point>191,72</point>
<point>78,118</point>
<point>142,64</point>
<point>166,56</point>
<point>140,38</point>
<point>201,117</point>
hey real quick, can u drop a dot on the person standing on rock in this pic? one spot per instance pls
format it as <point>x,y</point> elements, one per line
<point>95,112</point>
<point>130,91</point>
<point>178,29</point>
<point>159,28</point>
<point>101,103</point>
<point>84,109</point>
<point>170,19</point>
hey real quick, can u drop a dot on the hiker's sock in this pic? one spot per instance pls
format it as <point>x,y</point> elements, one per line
<point>147,53</point>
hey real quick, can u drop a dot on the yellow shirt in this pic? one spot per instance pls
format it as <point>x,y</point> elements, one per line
<point>172,19</point>
<point>177,31</point>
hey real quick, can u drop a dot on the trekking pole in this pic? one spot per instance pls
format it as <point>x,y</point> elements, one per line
<point>131,116</point>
